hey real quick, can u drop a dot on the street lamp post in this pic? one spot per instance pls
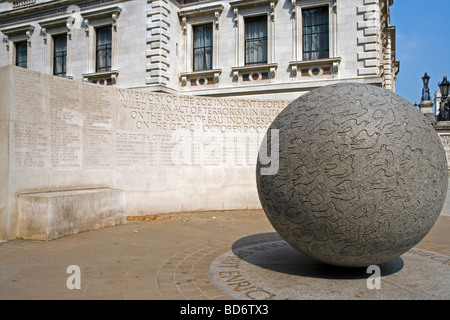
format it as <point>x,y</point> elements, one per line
<point>426,105</point>
<point>444,113</point>
<point>425,90</point>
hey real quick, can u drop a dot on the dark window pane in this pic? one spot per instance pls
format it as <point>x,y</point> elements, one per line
<point>104,44</point>
<point>256,40</point>
<point>315,33</point>
<point>203,45</point>
<point>21,54</point>
<point>60,55</point>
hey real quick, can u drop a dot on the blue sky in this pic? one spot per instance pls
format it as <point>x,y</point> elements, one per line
<point>422,44</point>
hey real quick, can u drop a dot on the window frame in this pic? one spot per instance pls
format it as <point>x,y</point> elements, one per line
<point>54,72</point>
<point>189,78</point>
<point>17,53</point>
<point>92,20</point>
<point>263,19</point>
<point>18,34</point>
<point>109,48</point>
<point>304,69</point>
<point>325,7</point>
<point>211,47</point>
<point>51,28</point>
<point>243,73</point>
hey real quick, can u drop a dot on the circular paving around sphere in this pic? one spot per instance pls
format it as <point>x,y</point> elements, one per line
<point>265,267</point>
<point>276,271</point>
<point>361,175</point>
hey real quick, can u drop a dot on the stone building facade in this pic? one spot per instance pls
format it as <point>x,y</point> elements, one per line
<point>195,47</point>
<point>165,100</point>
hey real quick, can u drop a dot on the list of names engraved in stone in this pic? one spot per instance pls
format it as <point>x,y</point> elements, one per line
<point>98,141</point>
<point>133,149</point>
<point>98,106</point>
<point>65,107</point>
<point>29,126</point>
<point>98,144</point>
<point>252,148</point>
<point>65,123</point>
<point>65,147</point>
<point>28,96</point>
<point>30,145</point>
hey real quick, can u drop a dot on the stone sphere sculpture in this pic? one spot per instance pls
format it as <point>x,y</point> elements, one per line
<point>361,175</point>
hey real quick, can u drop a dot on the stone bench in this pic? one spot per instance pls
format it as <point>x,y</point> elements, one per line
<point>50,215</point>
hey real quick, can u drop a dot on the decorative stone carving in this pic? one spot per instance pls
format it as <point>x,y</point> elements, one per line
<point>6,40</point>
<point>103,15</point>
<point>69,24</point>
<point>272,72</point>
<point>362,175</point>
<point>272,11</point>
<point>329,67</point>
<point>334,6</point>
<point>213,10</point>
<point>184,25</point>
<point>200,77</point>
<point>86,27</point>
<point>29,33</point>
<point>240,72</point>
<point>216,19</point>
<point>114,17</point>
<point>216,77</point>
<point>183,80</point>
<point>294,8</point>
<point>236,17</point>
<point>294,70</point>
<point>235,76</point>
<point>335,69</point>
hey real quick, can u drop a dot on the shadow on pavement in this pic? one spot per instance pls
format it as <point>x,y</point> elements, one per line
<point>270,251</point>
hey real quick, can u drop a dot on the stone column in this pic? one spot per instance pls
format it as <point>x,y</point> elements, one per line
<point>426,107</point>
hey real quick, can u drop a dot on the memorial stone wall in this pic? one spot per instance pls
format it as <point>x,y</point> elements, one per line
<point>443,130</point>
<point>168,152</point>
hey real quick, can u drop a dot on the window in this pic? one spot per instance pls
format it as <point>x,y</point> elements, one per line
<point>188,1</point>
<point>21,54</point>
<point>59,55</point>
<point>256,40</point>
<point>315,34</point>
<point>103,48</point>
<point>203,47</point>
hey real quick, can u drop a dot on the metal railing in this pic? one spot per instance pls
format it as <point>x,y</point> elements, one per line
<point>22,3</point>
<point>189,1</point>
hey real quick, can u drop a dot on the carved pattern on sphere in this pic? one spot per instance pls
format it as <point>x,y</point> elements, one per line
<point>362,175</point>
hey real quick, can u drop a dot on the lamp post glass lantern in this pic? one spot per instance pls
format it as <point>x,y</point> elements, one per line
<point>425,90</point>
<point>444,114</point>
<point>425,79</point>
<point>443,86</point>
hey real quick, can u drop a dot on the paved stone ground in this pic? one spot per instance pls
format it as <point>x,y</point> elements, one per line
<point>155,259</point>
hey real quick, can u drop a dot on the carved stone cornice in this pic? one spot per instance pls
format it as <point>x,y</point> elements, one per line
<point>203,10</point>
<point>14,33</point>
<point>47,9</point>
<point>61,23</point>
<point>252,3</point>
